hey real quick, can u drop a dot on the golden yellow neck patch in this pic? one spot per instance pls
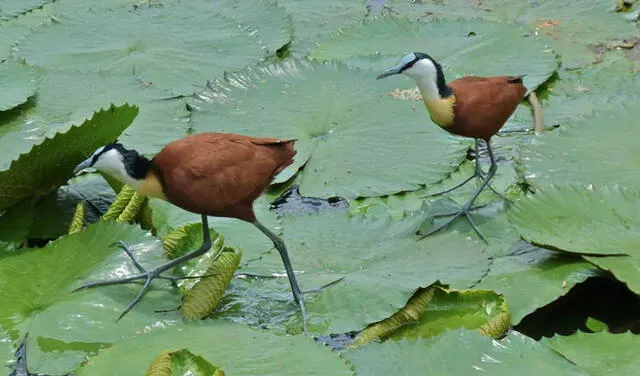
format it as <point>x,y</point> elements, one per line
<point>151,186</point>
<point>442,110</point>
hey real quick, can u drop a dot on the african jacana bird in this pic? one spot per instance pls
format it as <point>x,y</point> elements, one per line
<point>211,174</point>
<point>475,107</point>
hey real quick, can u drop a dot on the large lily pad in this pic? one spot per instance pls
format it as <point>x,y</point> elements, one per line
<point>50,163</point>
<point>599,150</point>
<point>531,277</point>
<point>463,47</point>
<point>585,220</point>
<point>13,8</point>
<point>461,352</point>
<point>355,140</point>
<point>601,353</point>
<point>17,83</point>
<point>315,21</point>
<point>573,29</point>
<point>34,280</point>
<point>604,86</point>
<point>175,46</point>
<point>39,285</point>
<point>245,352</point>
<point>380,262</point>
<point>66,98</point>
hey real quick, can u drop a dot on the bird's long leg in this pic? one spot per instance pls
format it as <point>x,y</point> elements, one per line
<point>478,174</point>
<point>149,275</point>
<point>467,208</point>
<point>282,249</point>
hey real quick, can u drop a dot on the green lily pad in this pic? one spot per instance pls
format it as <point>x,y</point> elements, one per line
<point>380,263</point>
<point>35,283</point>
<point>245,352</point>
<point>461,352</point>
<point>50,163</point>
<point>17,84</point>
<point>601,353</point>
<point>40,293</point>
<point>358,142</point>
<point>174,46</point>
<point>604,86</point>
<point>464,47</point>
<point>598,150</point>
<point>14,8</point>
<point>532,277</point>
<point>315,22</point>
<point>584,220</point>
<point>572,29</point>
<point>66,98</point>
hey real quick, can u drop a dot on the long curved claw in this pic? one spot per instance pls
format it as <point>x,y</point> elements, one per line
<point>138,297</point>
<point>122,245</point>
<point>118,281</point>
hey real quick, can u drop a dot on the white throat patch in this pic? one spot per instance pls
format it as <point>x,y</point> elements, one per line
<point>112,164</point>
<point>425,74</point>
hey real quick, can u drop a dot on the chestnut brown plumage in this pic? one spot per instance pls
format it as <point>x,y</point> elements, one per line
<point>483,104</point>
<point>475,107</point>
<point>220,174</point>
<point>211,174</point>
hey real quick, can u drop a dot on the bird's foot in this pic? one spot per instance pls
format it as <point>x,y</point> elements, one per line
<point>145,275</point>
<point>466,211</point>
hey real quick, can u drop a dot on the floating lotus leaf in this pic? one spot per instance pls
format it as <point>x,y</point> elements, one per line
<point>66,98</point>
<point>577,29</point>
<point>174,46</point>
<point>461,352</point>
<point>17,84</point>
<point>245,352</point>
<point>13,8</point>
<point>584,220</point>
<point>598,150</point>
<point>315,21</point>
<point>50,163</point>
<point>599,353</point>
<point>604,86</point>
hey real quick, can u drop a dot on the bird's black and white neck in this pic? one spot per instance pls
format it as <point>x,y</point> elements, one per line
<point>429,77</point>
<point>128,166</point>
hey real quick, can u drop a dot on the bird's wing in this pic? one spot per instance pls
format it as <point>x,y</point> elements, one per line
<point>213,172</point>
<point>483,104</point>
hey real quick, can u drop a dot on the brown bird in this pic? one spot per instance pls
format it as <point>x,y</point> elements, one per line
<point>211,174</point>
<point>475,107</point>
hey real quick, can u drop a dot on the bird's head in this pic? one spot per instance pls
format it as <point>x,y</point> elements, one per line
<point>425,71</point>
<point>414,65</point>
<point>114,159</point>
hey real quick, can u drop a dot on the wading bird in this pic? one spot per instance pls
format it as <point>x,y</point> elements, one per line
<point>475,107</point>
<point>211,174</point>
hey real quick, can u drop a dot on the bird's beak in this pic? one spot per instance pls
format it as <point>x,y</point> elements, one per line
<point>85,164</point>
<point>390,71</point>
